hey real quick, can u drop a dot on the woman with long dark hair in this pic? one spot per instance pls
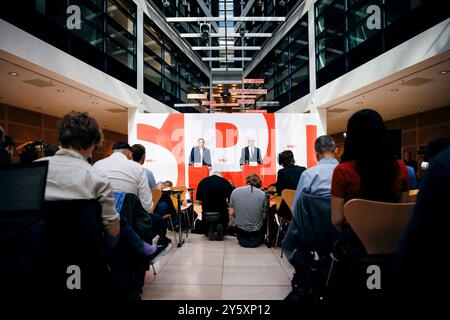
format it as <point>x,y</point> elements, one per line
<point>368,168</point>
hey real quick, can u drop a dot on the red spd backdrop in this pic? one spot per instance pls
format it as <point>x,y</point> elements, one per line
<point>169,139</point>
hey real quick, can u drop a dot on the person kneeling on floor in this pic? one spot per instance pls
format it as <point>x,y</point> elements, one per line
<point>248,206</point>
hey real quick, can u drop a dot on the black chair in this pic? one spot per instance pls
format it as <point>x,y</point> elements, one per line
<point>310,238</point>
<point>40,241</point>
<point>39,256</point>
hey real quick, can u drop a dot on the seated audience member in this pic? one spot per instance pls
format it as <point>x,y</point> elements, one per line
<point>213,193</point>
<point>248,206</point>
<point>410,162</point>
<point>412,178</point>
<point>365,172</point>
<point>29,152</point>
<point>5,159</point>
<point>315,181</point>
<point>436,146</point>
<point>9,146</point>
<point>287,178</point>
<point>165,205</point>
<point>139,157</point>
<point>127,176</point>
<point>425,243</point>
<point>51,149</point>
<point>167,184</point>
<point>71,177</point>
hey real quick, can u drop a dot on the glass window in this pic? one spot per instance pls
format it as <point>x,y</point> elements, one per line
<point>152,75</point>
<point>121,36</point>
<point>119,53</point>
<point>122,12</point>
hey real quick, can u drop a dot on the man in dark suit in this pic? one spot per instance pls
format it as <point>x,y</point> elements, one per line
<point>251,154</point>
<point>288,178</point>
<point>200,154</point>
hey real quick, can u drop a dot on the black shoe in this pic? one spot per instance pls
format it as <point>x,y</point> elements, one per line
<point>161,250</point>
<point>162,241</point>
<point>212,234</point>
<point>219,232</point>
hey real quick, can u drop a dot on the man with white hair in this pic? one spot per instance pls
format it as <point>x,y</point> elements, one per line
<point>213,193</point>
<point>251,154</point>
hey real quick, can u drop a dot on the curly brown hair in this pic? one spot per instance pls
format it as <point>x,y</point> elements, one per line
<point>79,130</point>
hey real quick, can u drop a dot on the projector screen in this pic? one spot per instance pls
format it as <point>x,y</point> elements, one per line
<point>235,144</point>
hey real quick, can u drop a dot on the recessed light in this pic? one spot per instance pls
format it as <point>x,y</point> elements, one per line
<point>394,90</point>
<point>60,90</point>
<point>444,72</point>
<point>359,102</point>
<point>13,74</point>
<point>93,102</point>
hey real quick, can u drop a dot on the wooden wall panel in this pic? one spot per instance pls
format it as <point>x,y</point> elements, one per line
<point>24,125</point>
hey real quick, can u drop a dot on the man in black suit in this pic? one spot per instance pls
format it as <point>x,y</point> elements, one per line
<point>200,154</point>
<point>251,154</point>
<point>287,178</point>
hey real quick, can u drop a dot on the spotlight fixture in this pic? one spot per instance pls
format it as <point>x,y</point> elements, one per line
<point>225,95</point>
<point>205,30</point>
<point>242,31</point>
<point>165,3</point>
<point>283,3</point>
<point>394,90</point>
<point>13,74</point>
<point>60,90</point>
<point>359,102</point>
<point>444,72</point>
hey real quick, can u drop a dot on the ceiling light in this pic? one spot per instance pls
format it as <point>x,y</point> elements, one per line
<point>444,72</point>
<point>60,90</point>
<point>93,102</point>
<point>359,102</point>
<point>394,90</point>
<point>13,74</point>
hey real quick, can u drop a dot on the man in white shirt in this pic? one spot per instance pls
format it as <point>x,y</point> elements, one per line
<point>127,176</point>
<point>71,177</point>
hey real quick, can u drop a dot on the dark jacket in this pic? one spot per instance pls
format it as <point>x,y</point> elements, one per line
<point>288,177</point>
<point>136,224</point>
<point>245,156</point>
<point>311,226</point>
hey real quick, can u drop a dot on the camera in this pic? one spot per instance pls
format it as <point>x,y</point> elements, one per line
<point>30,151</point>
<point>422,152</point>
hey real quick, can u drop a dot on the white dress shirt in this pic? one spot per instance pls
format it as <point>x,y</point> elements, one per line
<point>71,177</point>
<point>126,176</point>
<point>201,155</point>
